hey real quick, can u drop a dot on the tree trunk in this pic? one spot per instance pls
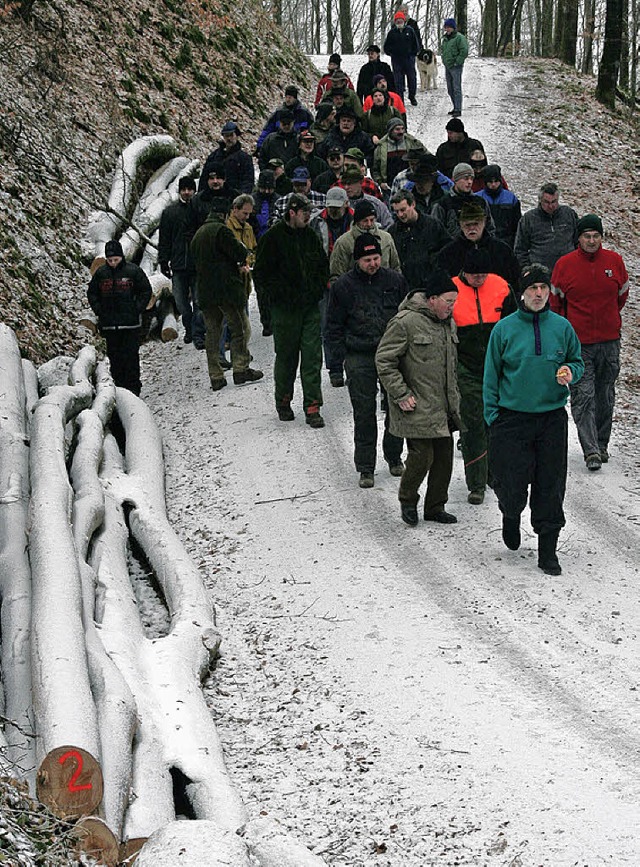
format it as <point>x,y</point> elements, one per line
<point>546,29</point>
<point>589,27</point>
<point>371,36</point>
<point>461,15</point>
<point>490,29</point>
<point>206,844</point>
<point>568,36</point>
<point>623,81</point>
<point>610,62</point>
<point>346,29</point>
<point>330,32</point>
<point>506,27</point>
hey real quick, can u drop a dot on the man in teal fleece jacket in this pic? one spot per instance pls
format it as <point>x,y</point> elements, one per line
<point>532,357</point>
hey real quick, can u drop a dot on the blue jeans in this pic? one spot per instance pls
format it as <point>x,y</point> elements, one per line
<point>184,292</point>
<point>454,86</point>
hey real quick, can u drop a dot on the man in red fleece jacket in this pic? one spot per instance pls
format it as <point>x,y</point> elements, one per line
<point>590,288</point>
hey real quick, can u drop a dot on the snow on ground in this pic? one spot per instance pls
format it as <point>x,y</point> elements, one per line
<point>397,696</point>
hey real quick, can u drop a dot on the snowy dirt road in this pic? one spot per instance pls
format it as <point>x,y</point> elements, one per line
<point>398,696</point>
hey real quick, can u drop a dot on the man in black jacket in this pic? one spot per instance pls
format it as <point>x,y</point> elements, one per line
<point>361,303</point>
<point>118,293</point>
<point>215,189</point>
<point>417,238</point>
<point>237,162</point>
<point>457,148</point>
<point>402,46</point>
<point>375,66</point>
<point>176,263</point>
<point>473,234</point>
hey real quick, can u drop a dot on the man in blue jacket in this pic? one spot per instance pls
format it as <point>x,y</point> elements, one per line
<point>532,357</point>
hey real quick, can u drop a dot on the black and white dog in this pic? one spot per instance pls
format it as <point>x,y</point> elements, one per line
<point>428,69</point>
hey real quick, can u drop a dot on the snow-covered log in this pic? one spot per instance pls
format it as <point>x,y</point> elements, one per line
<point>89,320</point>
<point>167,319</point>
<point>161,180</point>
<point>66,720</point>
<point>145,223</point>
<point>149,261</point>
<point>204,843</point>
<point>30,375</point>
<point>15,572</point>
<point>97,840</point>
<point>54,372</point>
<point>160,285</point>
<point>271,846</point>
<point>116,708</point>
<point>165,674</point>
<point>103,225</point>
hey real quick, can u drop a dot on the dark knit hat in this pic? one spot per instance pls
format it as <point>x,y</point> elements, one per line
<point>335,58</point>
<point>378,78</point>
<point>113,248</point>
<point>450,22</point>
<point>589,223</point>
<point>366,245</point>
<point>363,208</point>
<point>324,110</point>
<point>437,282</point>
<point>291,90</point>
<point>455,125</point>
<point>351,175</point>
<point>373,47</point>
<point>393,123</point>
<point>186,183</point>
<point>471,212</point>
<point>492,172</point>
<point>217,170</point>
<point>219,205</point>
<point>285,115</point>
<point>266,180</point>
<point>477,261</point>
<point>534,273</point>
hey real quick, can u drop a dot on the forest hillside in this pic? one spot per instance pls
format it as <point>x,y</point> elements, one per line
<point>80,81</point>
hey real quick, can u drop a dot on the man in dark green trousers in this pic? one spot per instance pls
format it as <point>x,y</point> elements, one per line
<point>290,274</point>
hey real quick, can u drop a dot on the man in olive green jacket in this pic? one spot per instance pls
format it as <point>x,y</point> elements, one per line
<point>416,361</point>
<point>221,265</point>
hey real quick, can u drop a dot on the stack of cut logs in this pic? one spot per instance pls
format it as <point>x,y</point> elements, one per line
<point>118,737</point>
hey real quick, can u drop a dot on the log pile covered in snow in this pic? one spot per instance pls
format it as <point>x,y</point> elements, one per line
<point>119,737</point>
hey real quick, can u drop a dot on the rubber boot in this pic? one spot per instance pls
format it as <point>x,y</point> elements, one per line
<point>547,557</point>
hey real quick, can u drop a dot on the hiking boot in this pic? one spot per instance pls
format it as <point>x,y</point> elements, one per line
<point>442,517</point>
<point>451,112</point>
<point>366,480</point>
<point>511,532</point>
<point>456,114</point>
<point>224,364</point>
<point>547,557</point>
<point>604,456</point>
<point>409,514</point>
<point>187,337</point>
<point>314,419</point>
<point>476,498</point>
<point>285,413</point>
<point>396,469</point>
<point>217,384</point>
<point>336,380</point>
<point>248,375</point>
<point>594,462</point>
<point>199,344</point>
<point>413,100</point>
<point>266,331</point>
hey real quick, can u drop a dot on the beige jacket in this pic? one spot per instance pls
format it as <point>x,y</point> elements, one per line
<point>342,254</point>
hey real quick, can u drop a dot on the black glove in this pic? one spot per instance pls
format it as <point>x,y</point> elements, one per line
<point>166,269</point>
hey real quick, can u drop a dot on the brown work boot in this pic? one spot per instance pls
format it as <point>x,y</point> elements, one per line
<point>248,375</point>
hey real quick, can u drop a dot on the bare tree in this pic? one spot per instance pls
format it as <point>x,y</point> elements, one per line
<point>346,29</point>
<point>489,44</point>
<point>588,31</point>
<point>610,62</point>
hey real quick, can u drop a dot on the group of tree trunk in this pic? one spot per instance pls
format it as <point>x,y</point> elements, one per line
<point>593,35</point>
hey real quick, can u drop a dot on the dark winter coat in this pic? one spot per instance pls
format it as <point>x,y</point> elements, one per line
<point>314,163</point>
<point>401,42</point>
<point>302,119</point>
<point>357,139</point>
<point>119,295</point>
<point>218,254</point>
<point>291,267</point>
<point>201,205</point>
<point>367,73</point>
<point>448,209</point>
<point>359,310</point>
<point>376,119</point>
<point>173,241</point>
<point>506,212</point>
<point>324,181</point>
<point>450,153</point>
<point>503,262</point>
<point>278,145</point>
<point>543,237</point>
<point>238,166</point>
<point>417,244</point>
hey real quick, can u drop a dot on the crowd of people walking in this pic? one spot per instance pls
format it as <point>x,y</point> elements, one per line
<point>413,275</point>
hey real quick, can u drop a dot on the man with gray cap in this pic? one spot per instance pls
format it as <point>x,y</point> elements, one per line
<point>364,222</point>
<point>447,210</point>
<point>361,303</point>
<point>590,287</point>
<point>416,361</point>
<point>388,157</point>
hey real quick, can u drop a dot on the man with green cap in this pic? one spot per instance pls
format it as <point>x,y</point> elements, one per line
<point>590,288</point>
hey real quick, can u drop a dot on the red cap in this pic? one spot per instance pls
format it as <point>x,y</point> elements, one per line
<point>400,15</point>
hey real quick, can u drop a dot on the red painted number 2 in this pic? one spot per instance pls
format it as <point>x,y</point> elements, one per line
<point>72,785</point>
